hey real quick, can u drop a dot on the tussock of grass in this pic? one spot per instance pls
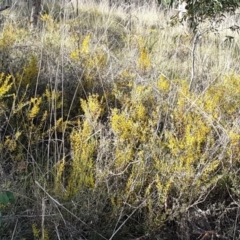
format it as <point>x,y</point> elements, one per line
<point>100,136</point>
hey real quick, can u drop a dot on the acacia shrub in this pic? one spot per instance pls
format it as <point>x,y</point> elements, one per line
<point>153,175</point>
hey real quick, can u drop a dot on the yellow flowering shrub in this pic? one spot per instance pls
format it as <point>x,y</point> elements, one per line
<point>37,112</point>
<point>11,141</point>
<point>92,108</point>
<point>48,22</point>
<point>83,147</point>
<point>59,177</point>
<point>179,162</point>
<point>35,230</point>
<point>91,60</point>
<point>30,73</point>
<point>137,157</point>
<point>8,38</point>
<point>38,235</point>
<point>152,142</point>
<point>144,61</point>
<point>133,127</point>
<point>188,142</point>
<point>32,121</point>
<point>149,150</point>
<point>35,108</point>
<point>163,84</point>
<point>5,85</point>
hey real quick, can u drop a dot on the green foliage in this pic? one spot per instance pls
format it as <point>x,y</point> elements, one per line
<point>199,11</point>
<point>211,8</point>
<point>6,198</point>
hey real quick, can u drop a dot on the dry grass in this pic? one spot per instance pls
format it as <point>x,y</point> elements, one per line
<point>125,181</point>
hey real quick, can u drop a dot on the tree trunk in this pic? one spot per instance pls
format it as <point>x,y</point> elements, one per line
<point>36,8</point>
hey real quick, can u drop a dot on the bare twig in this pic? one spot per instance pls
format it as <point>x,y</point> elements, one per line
<point>67,210</point>
<point>197,35</point>
<point>14,231</point>
<point>207,234</point>
<point>115,232</point>
<point>195,41</point>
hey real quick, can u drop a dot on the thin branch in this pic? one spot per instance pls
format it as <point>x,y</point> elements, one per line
<point>14,231</point>
<point>60,205</point>
<point>195,41</point>
<point>196,38</point>
<point>127,219</point>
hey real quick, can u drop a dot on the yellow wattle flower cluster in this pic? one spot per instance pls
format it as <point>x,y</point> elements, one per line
<point>144,61</point>
<point>5,84</point>
<point>122,125</point>
<point>35,108</point>
<point>92,107</point>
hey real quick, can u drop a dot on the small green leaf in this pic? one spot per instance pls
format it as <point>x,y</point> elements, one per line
<point>10,196</point>
<point>4,198</point>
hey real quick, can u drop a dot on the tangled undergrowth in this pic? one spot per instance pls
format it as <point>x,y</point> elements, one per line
<point>101,138</point>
